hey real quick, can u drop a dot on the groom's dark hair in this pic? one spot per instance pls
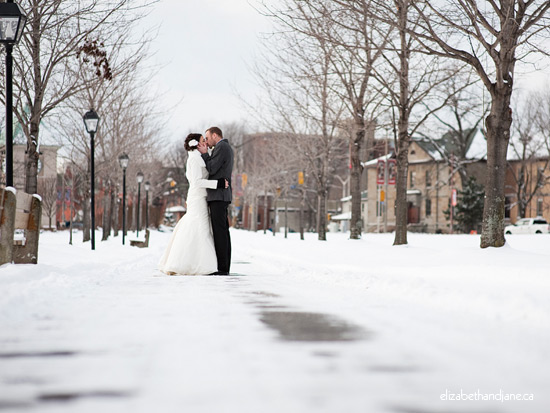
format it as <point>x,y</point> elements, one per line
<point>216,130</point>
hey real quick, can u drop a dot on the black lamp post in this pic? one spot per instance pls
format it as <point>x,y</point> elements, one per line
<point>147,187</point>
<point>123,161</point>
<point>139,178</point>
<point>91,120</point>
<point>12,22</point>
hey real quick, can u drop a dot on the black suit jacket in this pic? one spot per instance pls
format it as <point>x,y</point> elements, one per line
<point>219,166</point>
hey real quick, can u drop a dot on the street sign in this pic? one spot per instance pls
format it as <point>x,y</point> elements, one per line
<point>453,197</point>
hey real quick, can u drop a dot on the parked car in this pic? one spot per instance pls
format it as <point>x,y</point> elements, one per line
<point>536,225</point>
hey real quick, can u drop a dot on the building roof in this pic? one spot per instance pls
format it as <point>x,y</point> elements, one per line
<point>476,145</point>
<point>375,161</point>
<point>346,216</point>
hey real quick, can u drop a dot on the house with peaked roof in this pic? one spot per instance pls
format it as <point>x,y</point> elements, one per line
<point>527,184</point>
<point>430,183</point>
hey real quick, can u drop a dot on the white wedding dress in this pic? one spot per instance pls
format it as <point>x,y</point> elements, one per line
<point>191,248</point>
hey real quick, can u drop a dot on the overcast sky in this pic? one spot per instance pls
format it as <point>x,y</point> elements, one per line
<point>202,49</point>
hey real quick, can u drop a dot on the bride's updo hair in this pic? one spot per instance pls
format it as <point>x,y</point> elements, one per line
<point>192,141</point>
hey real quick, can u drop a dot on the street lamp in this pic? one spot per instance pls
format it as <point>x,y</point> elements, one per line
<point>91,120</point>
<point>139,178</point>
<point>12,22</point>
<point>123,161</point>
<point>147,187</point>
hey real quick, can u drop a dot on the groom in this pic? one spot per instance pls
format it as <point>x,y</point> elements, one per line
<point>219,165</point>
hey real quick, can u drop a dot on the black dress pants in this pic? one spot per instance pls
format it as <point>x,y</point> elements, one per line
<point>220,231</point>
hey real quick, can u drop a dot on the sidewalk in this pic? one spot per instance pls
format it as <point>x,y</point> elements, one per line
<point>104,331</point>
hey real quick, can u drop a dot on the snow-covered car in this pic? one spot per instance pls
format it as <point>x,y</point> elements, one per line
<point>536,225</point>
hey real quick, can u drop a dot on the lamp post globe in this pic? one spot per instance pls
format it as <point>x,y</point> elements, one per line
<point>139,178</point>
<point>12,23</point>
<point>91,122</point>
<point>123,161</point>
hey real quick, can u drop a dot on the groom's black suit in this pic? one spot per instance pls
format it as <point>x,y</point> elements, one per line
<point>220,166</point>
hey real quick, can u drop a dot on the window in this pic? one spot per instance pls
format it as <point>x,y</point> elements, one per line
<point>412,179</point>
<point>428,179</point>
<point>540,177</point>
<point>507,206</point>
<point>539,207</point>
<point>428,207</point>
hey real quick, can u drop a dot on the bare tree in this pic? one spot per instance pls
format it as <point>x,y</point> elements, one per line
<point>491,38</point>
<point>412,81</point>
<point>43,65</point>
<point>47,189</point>
<point>359,41</point>
<point>303,95</point>
<point>129,120</point>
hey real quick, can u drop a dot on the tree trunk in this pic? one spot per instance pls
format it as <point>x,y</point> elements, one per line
<point>275,217</point>
<point>355,185</point>
<point>254,220</point>
<point>132,215</point>
<point>31,160</point>
<point>302,216</point>
<point>106,230</point>
<point>86,219</point>
<point>31,166</point>
<point>401,191</point>
<point>62,220</point>
<point>113,211</point>
<point>403,134</point>
<point>286,217</point>
<point>322,213</point>
<point>265,211</point>
<point>521,185</point>
<point>498,123</point>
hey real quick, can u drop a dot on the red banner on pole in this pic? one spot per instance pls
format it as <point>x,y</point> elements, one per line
<point>380,172</point>
<point>392,171</point>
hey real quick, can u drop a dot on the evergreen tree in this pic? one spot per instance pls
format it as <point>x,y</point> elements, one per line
<point>469,209</point>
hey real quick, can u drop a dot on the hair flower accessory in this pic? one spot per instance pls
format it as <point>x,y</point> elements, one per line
<point>193,143</point>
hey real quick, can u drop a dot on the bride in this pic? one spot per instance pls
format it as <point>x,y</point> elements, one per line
<point>191,248</point>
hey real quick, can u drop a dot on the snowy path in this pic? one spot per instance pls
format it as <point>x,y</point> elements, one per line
<point>341,326</point>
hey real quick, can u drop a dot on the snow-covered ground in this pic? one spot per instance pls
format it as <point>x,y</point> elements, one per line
<point>299,326</point>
